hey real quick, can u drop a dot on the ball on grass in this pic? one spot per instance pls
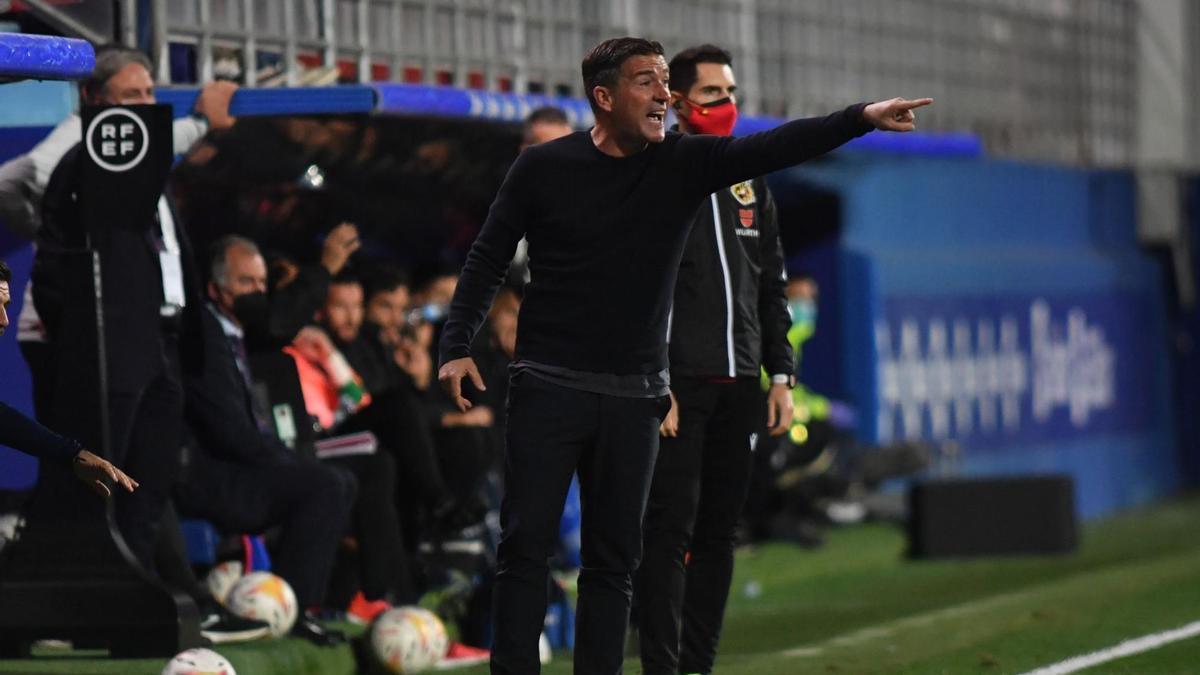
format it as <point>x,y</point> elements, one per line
<point>265,597</point>
<point>408,640</point>
<point>198,661</point>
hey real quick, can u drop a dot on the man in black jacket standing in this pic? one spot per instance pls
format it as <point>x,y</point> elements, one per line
<point>152,330</point>
<point>729,318</point>
<point>606,213</point>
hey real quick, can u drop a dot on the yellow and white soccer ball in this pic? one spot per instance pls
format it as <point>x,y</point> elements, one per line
<point>198,661</point>
<point>266,597</point>
<point>409,640</point>
<point>220,579</point>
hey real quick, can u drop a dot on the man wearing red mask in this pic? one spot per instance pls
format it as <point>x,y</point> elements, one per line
<point>729,317</point>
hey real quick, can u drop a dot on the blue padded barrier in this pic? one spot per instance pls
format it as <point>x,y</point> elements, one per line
<point>294,101</point>
<point>44,57</point>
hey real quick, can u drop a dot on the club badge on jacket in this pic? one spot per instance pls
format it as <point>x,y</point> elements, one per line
<point>744,193</point>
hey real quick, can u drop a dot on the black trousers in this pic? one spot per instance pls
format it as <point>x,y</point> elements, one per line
<point>552,432</point>
<point>384,567</point>
<point>398,420</point>
<point>146,428</point>
<point>464,458</point>
<point>696,497</point>
<point>308,500</point>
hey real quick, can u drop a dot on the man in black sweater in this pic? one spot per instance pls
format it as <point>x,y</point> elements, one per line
<point>729,317</point>
<point>606,213</point>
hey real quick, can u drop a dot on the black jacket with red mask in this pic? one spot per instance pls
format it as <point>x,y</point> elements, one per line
<point>730,312</point>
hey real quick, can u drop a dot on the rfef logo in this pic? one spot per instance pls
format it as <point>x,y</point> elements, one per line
<point>117,139</point>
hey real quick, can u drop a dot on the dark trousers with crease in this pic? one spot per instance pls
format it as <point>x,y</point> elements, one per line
<point>612,441</point>
<point>309,501</point>
<point>397,418</point>
<point>696,498</point>
<point>146,432</point>
<point>383,566</point>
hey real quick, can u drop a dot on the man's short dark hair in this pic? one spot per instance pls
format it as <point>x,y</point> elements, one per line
<point>602,65</point>
<point>5,273</point>
<point>547,114</point>
<point>683,65</point>
<point>426,275</point>
<point>347,277</point>
<point>383,280</point>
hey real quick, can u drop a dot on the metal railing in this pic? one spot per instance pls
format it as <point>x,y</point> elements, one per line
<point>1037,79</point>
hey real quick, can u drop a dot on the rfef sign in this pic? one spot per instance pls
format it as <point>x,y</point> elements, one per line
<point>127,153</point>
<point>117,139</point>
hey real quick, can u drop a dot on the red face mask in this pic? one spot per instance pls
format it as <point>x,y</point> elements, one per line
<point>716,118</point>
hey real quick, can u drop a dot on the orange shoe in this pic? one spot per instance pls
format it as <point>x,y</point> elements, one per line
<point>462,656</point>
<point>363,611</point>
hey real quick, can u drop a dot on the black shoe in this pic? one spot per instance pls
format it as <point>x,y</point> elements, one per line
<point>307,628</point>
<point>221,626</point>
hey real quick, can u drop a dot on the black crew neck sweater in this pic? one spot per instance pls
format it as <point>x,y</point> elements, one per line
<point>605,239</point>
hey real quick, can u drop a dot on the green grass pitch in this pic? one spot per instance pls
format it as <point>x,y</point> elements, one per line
<point>858,606</point>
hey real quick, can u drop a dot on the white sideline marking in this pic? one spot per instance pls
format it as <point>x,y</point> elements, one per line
<point>885,629</point>
<point>1126,648</point>
<point>803,651</point>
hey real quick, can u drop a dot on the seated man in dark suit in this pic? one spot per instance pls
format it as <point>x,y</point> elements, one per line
<point>239,474</point>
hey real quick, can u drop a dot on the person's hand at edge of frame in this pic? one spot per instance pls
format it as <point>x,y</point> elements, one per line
<point>895,114</point>
<point>341,242</point>
<point>95,471</point>
<point>451,375</point>
<point>314,344</point>
<point>779,409</point>
<point>213,104</point>
<point>670,424</point>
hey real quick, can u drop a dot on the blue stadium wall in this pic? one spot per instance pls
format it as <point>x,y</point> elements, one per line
<point>28,112</point>
<point>1003,311</point>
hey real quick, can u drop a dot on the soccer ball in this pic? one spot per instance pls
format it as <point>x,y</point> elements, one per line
<point>198,662</point>
<point>265,597</point>
<point>408,640</point>
<point>220,579</point>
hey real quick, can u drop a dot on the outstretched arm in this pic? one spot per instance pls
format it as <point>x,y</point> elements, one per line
<point>724,160</point>
<point>20,432</point>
